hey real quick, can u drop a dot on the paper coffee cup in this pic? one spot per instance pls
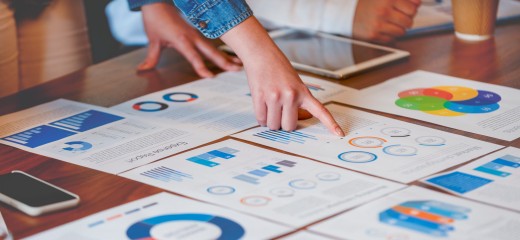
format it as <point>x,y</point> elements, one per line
<point>474,20</point>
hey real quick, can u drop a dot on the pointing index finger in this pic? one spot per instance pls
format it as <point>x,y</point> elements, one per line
<point>312,105</point>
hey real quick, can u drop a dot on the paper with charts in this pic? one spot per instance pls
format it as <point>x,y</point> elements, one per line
<point>375,145</point>
<point>420,214</point>
<point>279,187</point>
<point>492,179</point>
<point>165,216</point>
<point>95,137</point>
<point>305,235</point>
<point>221,104</point>
<point>471,106</point>
<point>322,90</point>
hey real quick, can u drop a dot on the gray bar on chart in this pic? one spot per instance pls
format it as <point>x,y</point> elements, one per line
<point>246,178</point>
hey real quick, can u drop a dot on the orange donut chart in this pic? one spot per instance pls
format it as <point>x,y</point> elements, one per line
<point>367,142</point>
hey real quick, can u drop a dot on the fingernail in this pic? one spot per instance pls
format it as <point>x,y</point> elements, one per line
<point>339,132</point>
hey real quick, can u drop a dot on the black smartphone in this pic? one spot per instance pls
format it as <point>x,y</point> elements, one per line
<point>32,195</point>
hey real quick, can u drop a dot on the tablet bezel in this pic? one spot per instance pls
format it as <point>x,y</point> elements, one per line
<point>394,54</point>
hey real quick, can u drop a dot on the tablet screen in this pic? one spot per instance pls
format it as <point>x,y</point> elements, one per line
<point>323,52</point>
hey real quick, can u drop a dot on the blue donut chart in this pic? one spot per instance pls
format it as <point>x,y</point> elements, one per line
<point>83,146</point>
<point>160,106</point>
<point>142,230</point>
<point>185,97</point>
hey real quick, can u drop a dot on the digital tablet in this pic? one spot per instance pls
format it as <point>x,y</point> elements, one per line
<point>329,55</point>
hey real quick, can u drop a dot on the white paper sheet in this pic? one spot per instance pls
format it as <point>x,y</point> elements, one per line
<point>322,90</point>
<point>279,187</point>
<point>205,105</point>
<point>492,179</point>
<point>165,216</point>
<point>222,104</point>
<point>95,137</point>
<point>375,145</point>
<point>472,106</point>
<point>420,214</point>
<point>305,235</point>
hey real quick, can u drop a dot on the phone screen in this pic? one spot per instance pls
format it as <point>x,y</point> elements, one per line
<point>323,52</point>
<point>30,191</point>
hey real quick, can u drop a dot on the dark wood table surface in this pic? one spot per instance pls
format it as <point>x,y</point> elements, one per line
<point>495,61</point>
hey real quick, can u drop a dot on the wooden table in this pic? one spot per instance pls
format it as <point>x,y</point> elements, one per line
<point>495,61</point>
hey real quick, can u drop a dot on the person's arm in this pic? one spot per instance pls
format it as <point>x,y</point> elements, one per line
<point>165,28</point>
<point>277,90</point>
<point>135,5</point>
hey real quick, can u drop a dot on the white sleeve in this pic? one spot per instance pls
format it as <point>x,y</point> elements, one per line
<point>331,16</point>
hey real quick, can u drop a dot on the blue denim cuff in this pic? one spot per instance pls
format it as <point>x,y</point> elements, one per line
<point>135,5</point>
<point>215,17</point>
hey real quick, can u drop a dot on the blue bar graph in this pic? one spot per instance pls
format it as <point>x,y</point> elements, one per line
<point>207,159</point>
<point>430,217</point>
<point>259,173</point>
<point>439,208</point>
<point>492,171</point>
<point>272,168</point>
<point>87,120</point>
<point>166,174</point>
<point>285,137</point>
<point>246,178</point>
<point>38,136</point>
<point>401,220</point>
<point>506,163</point>
<point>496,166</point>
<point>511,158</point>
<point>220,154</point>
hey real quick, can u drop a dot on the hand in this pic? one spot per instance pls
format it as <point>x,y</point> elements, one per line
<point>383,21</point>
<point>165,28</point>
<point>276,88</point>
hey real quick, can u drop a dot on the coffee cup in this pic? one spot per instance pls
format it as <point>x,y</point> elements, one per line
<point>474,20</point>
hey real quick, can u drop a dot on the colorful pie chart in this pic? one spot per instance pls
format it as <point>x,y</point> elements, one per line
<point>149,106</point>
<point>449,100</point>
<point>180,97</point>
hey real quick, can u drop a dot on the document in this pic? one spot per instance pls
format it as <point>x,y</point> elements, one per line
<point>435,15</point>
<point>279,187</point>
<point>492,179</point>
<point>419,214</point>
<point>165,216</point>
<point>206,105</point>
<point>374,144</point>
<point>471,106</point>
<point>305,235</point>
<point>95,137</point>
<point>323,90</point>
<point>222,104</point>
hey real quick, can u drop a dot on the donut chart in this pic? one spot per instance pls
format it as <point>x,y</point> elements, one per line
<point>142,230</point>
<point>180,97</point>
<point>149,106</point>
<point>357,157</point>
<point>449,101</point>
<point>76,146</point>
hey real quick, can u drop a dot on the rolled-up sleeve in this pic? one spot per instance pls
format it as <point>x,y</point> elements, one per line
<point>214,17</point>
<point>135,5</point>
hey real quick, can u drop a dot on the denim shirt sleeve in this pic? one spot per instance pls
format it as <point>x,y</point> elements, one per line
<point>135,5</point>
<point>214,17</point>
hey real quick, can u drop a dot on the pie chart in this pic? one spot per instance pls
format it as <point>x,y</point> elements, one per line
<point>142,230</point>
